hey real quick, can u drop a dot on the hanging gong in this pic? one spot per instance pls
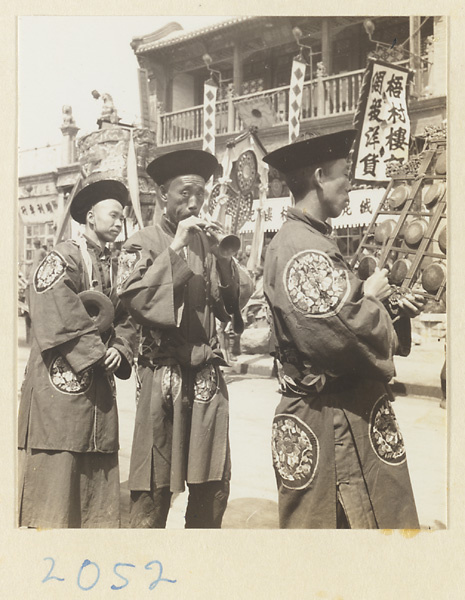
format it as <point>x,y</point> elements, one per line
<point>399,271</point>
<point>433,277</point>
<point>442,239</point>
<point>384,230</point>
<point>367,267</point>
<point>415,232</point>
<point>399,196</point>
<point>434,192</point>
<point>441,164</point>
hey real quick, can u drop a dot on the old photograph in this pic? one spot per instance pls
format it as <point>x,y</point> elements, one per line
<point>232,268</point>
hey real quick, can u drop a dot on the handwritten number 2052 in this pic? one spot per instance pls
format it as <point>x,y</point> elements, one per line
<point>85,574</point>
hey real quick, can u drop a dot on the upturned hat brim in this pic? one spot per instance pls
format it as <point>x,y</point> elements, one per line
<point>312,151</point>
<point>182,162</point>
<point>104,189</point>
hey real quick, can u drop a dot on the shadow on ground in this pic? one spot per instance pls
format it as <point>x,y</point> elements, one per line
<point>251,513</point>
<point>242,513</point>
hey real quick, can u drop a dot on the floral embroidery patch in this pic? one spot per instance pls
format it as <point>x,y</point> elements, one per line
<point>313,285</point>
<point>171,382</point>
<point>295,451</point>
<point>64,379</point>
<point>206,384</point>
<point>385,436</point>
<point>50,270</point>
<point>126,263</point>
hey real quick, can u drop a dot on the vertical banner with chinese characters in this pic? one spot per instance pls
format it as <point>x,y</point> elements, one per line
<point>295,97</point>
<point>384,124</point>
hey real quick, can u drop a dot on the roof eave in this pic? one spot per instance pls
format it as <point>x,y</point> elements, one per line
<point>143,48</point>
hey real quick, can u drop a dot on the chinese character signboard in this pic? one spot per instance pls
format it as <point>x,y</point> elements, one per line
<point>37,209</point>
<point>384,124</point>
<point>363,205</point>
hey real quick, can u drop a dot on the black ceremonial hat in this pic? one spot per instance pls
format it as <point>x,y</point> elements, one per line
<point>312,151</point>
<point>182,162</point>
<point>104,189</point>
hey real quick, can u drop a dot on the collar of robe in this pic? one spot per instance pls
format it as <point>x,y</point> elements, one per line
<point>96,248</point>
<point>168,226</point>
<point>297,214</point>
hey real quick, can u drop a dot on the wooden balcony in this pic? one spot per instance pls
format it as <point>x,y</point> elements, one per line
<point>322,97</point>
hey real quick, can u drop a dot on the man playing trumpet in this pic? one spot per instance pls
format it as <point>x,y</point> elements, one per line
<point>174,282</point>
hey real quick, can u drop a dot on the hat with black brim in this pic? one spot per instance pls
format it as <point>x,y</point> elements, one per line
<point>312,151</point>
<point>182,162</point>
<point>105,189</point>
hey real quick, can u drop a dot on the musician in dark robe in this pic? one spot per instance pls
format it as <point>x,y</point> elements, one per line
<point>338,452</point>
<point>175,283</point>
<point>68,421</point>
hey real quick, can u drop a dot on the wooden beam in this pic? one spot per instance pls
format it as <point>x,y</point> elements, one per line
<point>237,69</point>
<point>415,48</point>
<point>326,48</point>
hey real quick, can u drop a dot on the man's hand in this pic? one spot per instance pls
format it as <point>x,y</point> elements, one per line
<point>185,229</point>
<point>112,360</point>
<point>377,285</point>
<point>412,304</point>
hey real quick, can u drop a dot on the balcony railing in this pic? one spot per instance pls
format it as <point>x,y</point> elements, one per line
<point>322,97</point>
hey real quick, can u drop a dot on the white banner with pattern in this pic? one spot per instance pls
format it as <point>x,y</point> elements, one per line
<point>210,91</point>
<point>295,97</point>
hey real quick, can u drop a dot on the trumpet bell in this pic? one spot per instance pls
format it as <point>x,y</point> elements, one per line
<point>228,243</point>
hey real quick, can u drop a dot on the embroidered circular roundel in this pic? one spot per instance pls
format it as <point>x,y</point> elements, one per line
<point>65,380</point>
<point>50,270</point>
<point>171,380</point>
<point>385,436</point>
<point>295,451</point>
<point>206,384</point>
<point>126,263</point>
<point>313,285</point>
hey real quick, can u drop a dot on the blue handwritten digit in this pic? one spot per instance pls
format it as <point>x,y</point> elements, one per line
<point>85,564</point>
<point>49,577</point>
<point>120,587</point>
<point>154,584</point>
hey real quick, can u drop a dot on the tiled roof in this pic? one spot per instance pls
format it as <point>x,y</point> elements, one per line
<point>181,36</point>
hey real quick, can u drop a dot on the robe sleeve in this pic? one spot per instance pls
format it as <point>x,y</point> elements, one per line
<point>153,289</point>
<point>125,340</point>
<point>403,327</point>
<point>59,319</point>
<point>229,284</point>
<point>318,304</point>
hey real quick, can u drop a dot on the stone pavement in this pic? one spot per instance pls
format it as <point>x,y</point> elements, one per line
<point>253,499</point>
<point>417,374</point>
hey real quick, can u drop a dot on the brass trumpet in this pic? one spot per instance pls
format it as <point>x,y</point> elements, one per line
<point>228,243</point>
